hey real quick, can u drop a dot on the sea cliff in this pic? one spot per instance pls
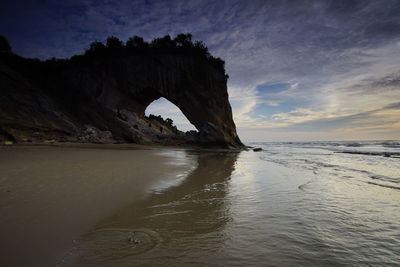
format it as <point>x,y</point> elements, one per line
<point>101,96</point>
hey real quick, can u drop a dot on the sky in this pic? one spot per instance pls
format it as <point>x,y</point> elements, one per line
<point>299,70</point>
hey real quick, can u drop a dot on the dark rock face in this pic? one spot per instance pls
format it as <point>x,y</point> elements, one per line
<point>105,99</point>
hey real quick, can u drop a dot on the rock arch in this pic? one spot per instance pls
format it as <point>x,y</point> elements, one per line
<point>60,102</point>
<point>197,88</point>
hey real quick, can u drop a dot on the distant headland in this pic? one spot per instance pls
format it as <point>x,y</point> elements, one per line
<point>101,95</point>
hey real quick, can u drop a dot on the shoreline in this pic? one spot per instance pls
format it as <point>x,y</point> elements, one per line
<point>51,193</point>
<point>126,146</point>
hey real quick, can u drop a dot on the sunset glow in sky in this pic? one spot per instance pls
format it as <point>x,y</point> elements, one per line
<point>299,70</point>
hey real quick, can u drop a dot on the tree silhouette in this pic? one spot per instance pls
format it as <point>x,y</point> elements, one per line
<point>4,44</point>
<point>201,48</point>
<point>165,43</point>
<point>169,121</point>
<point>136,42</point>
<point>96,47</point>
<point>184,39</point>
<point>114,43</point>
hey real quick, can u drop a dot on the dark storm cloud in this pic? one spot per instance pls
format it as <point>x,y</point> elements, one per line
<point>392,106</point>
<point>392,80</point>
<point>374,85</point>
<point>260,40</point>
<point>330,23</point>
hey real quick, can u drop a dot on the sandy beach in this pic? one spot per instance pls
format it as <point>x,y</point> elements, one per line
<point>50,195</point>
<point>291,204</point>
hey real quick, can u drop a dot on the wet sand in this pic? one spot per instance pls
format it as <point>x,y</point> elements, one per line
<point>50,195</point>
<point>287,205</point>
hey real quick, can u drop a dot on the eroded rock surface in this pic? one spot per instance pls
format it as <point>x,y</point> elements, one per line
<point>103,99</point>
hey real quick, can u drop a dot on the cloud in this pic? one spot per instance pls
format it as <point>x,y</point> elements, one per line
<point>333,59</point>
<point>308,120</point>
<point>372,84</point>
<point>272,103</point>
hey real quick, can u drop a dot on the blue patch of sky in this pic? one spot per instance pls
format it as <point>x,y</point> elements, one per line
<point>265,111</point>
<point>271,101</point>
<point>273,87</point>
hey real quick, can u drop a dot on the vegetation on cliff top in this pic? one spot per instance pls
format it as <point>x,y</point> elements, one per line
<point>4,45</point>
<point>182,44</point>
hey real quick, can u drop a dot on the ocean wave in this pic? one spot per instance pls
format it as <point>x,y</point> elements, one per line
<point>385,178</point>
<point>385,185</point>
<point>317,166</point>
<point>386,143</point>
<point>354,144</point>
<point>343,168</point>
<point>391,144</point>
<point>371,153</point>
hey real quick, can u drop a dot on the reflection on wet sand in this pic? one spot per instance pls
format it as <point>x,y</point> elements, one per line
<point>50,195</point>
<point>168,224</point>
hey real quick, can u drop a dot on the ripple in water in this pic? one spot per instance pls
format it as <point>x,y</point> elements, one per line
<point>115,244</point>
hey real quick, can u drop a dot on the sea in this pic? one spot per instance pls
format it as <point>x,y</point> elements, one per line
<point>291,204</point>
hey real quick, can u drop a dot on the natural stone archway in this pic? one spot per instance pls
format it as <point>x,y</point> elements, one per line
<point>64,100</point>
<point>167,110</point>
<point>197,88</point>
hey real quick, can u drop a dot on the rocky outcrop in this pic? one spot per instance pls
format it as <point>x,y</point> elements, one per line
<point>103,99</point>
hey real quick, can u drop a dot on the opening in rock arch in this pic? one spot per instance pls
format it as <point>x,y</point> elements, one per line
<point>166,109</point>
